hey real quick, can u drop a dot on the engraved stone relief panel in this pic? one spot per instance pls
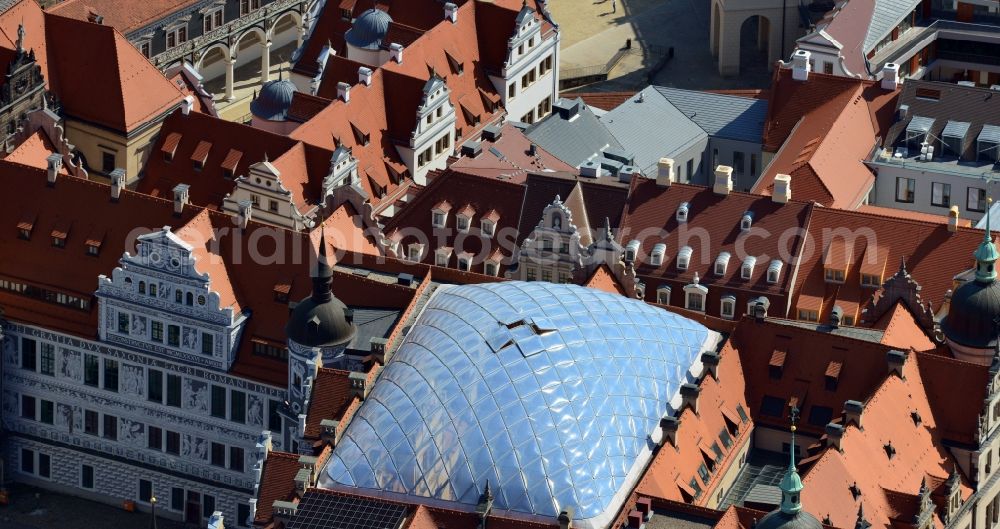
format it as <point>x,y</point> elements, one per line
<point>196,396</point>
<point>255,410</point>
<point>133,380</point>
<point>70,364</point>
<point>131,433</point>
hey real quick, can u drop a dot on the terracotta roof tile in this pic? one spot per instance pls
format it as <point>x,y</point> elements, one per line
<point>604,100</point>
<point>34,151</point>
<point>124,15</point>
<point>277,483</point>
<point>331,396</point>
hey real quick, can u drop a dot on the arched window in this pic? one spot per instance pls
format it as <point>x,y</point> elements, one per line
<point>556,221</point>
<point>189,299</point>
<point>142,287</point>
<point>178,295</point>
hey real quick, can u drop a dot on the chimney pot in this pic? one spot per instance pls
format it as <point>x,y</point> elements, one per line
<point>246,211</point>
<point>782,188</point>
<point>365,75</point>
<point>689,397</point>
<point>665,172</point>
<point>953,219</point>
<point>451,12</point>
<point>396,52</point>
<point>181,196</point>
<point>54,162</point>
<point>852,413</point>
<point>896,360</point>
<point>800,65</point>
<point>187,104</point>
<point>723,180</point>
<point>117,183</point>
<point>834,434</point>
<point>669,425</point>
<point>344,92</point>
<point>890,76</point>
<point>710,362</point>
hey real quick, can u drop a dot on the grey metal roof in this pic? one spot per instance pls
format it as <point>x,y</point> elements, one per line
<point>956,129</point>
<point>652,128</point>
<point>990,133</point>
<point>573,140</point>
<point>720,115</point>
<point>368,30</point>
<point>372,323</point>
<point>920,124</point>
<point>887,15</point>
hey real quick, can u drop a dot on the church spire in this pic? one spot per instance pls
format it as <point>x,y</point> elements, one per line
<point>791,483</point>
<point>986,254</point>
<point>323,275</point>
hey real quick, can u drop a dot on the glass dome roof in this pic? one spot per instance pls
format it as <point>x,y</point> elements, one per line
<point>551,393</point>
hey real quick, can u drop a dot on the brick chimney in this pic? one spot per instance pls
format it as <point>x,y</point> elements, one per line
<point>800,65</point>
<point>117,183</point>
<point>396,52</point>
<point>246,211</point>
<point>344,92</point>
<point>365,75</point>
<point>665,172</point>
<point>723,180</point>
<point>852,413</point>
<point>890,76</point>
<point>953,219</point>
<point>782,188</point>
<point>451,12</point>
<point>896,360</point>
<point>182,193</point>
<point>834,434</point>
<point>54,162</point>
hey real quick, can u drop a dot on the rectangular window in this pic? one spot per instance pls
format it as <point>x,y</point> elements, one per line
<point>236,459</point>
<point>511,90</point>
<point>207,343</point>
<point>27,461</point>
<point>242,514</point>
<point>111,427</point>
<point>273,416</point>
<point>145,49</point>
<point>173,443</point>
<point>48,363</point>
<point>111,375</point>
<point>976,199</point>
<point>29,359</point>
<point>154,439</point>
<point>218,454</point>
<point>87,476</point>
<point>44,465</point>
<point>940,194</point>
<point>108,161</point>
<point>27,407</point>
<point>738,162</point>
<point>177,499</point>
<point>173,336</point>
<point>90,422</point>
<point>47,412</point>
<point>905,188</point>
<point>207,505</point>
<point>156,331</point>
<point>174,391</point>
<point>238,406</point>
<point>547,275</point>
<point>91,370</point>
<point>690,173</point>
<point>154,386</point>
<point>123,322</point>
<point>145,490</point>
<point>219,402</point>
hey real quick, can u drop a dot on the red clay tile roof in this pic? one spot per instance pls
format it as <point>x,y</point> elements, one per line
<point>123,90</point>
<point>604,198</point>
<point>34,151</point>
<point>516,161</point>
<point>331,395</point>
<point>124,15</point>
<point>914,215</point>
<point>277,483</point>
<point>604,100</point>
<point>32,17</point>
<point>902,331</point>
<point>603,279</point>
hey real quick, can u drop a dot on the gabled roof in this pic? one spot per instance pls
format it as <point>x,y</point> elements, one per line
<point>886,16</point>
<point>509,158</point>
<point>277,482</point>
<point>603,198</point>
<point>121,89</point>
<point>729,116</point>
<point>574,140</point>
<point>331,396</point>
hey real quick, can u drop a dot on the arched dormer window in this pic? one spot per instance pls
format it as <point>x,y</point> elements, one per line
<point>684,258</point>
<point>721,263</point>
<point>746,271</point>
<point>682,212</point>
<point>631,250</point>
<point>663,295</point>
<point>774,271</point>
<point>727,308</point>
<point>656,257</point>
<point>746,222</point>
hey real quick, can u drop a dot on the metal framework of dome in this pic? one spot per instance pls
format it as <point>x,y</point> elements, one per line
<point>274,100</point>
<point>551,394</point>
<point>369,30</point>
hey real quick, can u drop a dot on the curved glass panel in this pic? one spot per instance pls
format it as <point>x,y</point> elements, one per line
<point>549,392</point>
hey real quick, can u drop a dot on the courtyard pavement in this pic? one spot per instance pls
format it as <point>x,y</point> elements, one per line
<point>32,508</point>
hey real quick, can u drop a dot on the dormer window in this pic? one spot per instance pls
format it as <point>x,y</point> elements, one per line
<point>746,221</point>
<point>656,257</point>
<point>682,212</point>
<point>439,214</point>
<point>488,227</point>
<point>834,275</point>
<point>414,252</point>
<point>492,266</point>
<point>442,257</point>
<point>463,223</point>
<point>721,263</point>
<point>631,250</point>
<point>684,258</point>
<point>728,307</point>
<point>694,295</point>
<point>774,271</point>
<point>871,280</point>
<point>746,271</point>
<point>93,249</point>
<point>465,261</point>
<point>663,295</point>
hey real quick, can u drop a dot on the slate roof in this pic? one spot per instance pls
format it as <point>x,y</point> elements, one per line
<point>574,140</point>
<point>722,115</point>
<point>886,16</point>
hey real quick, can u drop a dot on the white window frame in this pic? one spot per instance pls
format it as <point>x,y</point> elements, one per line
<point>663,295</point>
<point>774,271</point>
<point>746,222</point>
<point>691,295</point>
<point>465,263</point>
<point>684,257</point>
<point>728,301</point>
<point>746,270</point>
<point>683,211</point>
<point>415,249</point>
<point>722,263</point>
<point>209,23</point>
<point>980,201</point>
<point>631,250</point>
<point>488,227</point>
<point>442,257</point>
<point>656,257</point>
<point>463,223</point>
<point>444,218</point>
<point>175,31</point>
<point>491,268</point>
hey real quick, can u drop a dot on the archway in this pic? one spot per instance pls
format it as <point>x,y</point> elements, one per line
<point>755,44</point>
<point>212,67</point>
<point>284,36</point>
<point>248,52</point>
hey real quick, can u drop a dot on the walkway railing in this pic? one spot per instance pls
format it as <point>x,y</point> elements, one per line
<point>584,75</point>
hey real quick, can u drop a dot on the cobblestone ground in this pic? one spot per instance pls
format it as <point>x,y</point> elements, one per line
<point>32,508</point>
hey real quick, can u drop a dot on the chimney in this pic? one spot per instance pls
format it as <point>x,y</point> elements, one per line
<point>710,364</point>
<point>627,173</point>
<point>93,16</point>
<point>669,424</point>
<point>396,52</point>
<point>800,65</point>
<point>216,521</point>
<point>565,518</point>
<point>451,12</point>
<point>723,180</point>
<point>890,76</point>
<point>284,511</point>
<point>328,431</point>
<point>301,424</point>
<point>591,169</point>
<point>665,172</point>
<point>896,360</point>
<point>344,92</point>
<point>953,219</point>
<point>852,413</point>
<point>782,188</point>
<point>634,520</point>
<point>834,433</point>
<point>359,384</point>
<point>689,397</point>
<point>187,104</point>
<point>117,183</point>
<point>645,506</point>
<point>55,161</point>
<point>365,75</point>
<point>303,480</point>
<point>246,210</point>
<point>181,196</point>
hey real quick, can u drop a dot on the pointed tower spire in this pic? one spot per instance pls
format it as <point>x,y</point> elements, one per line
<point>323,275</point>
<point>20,37</point>
<point>986,255</point>
<point>791,483</point>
